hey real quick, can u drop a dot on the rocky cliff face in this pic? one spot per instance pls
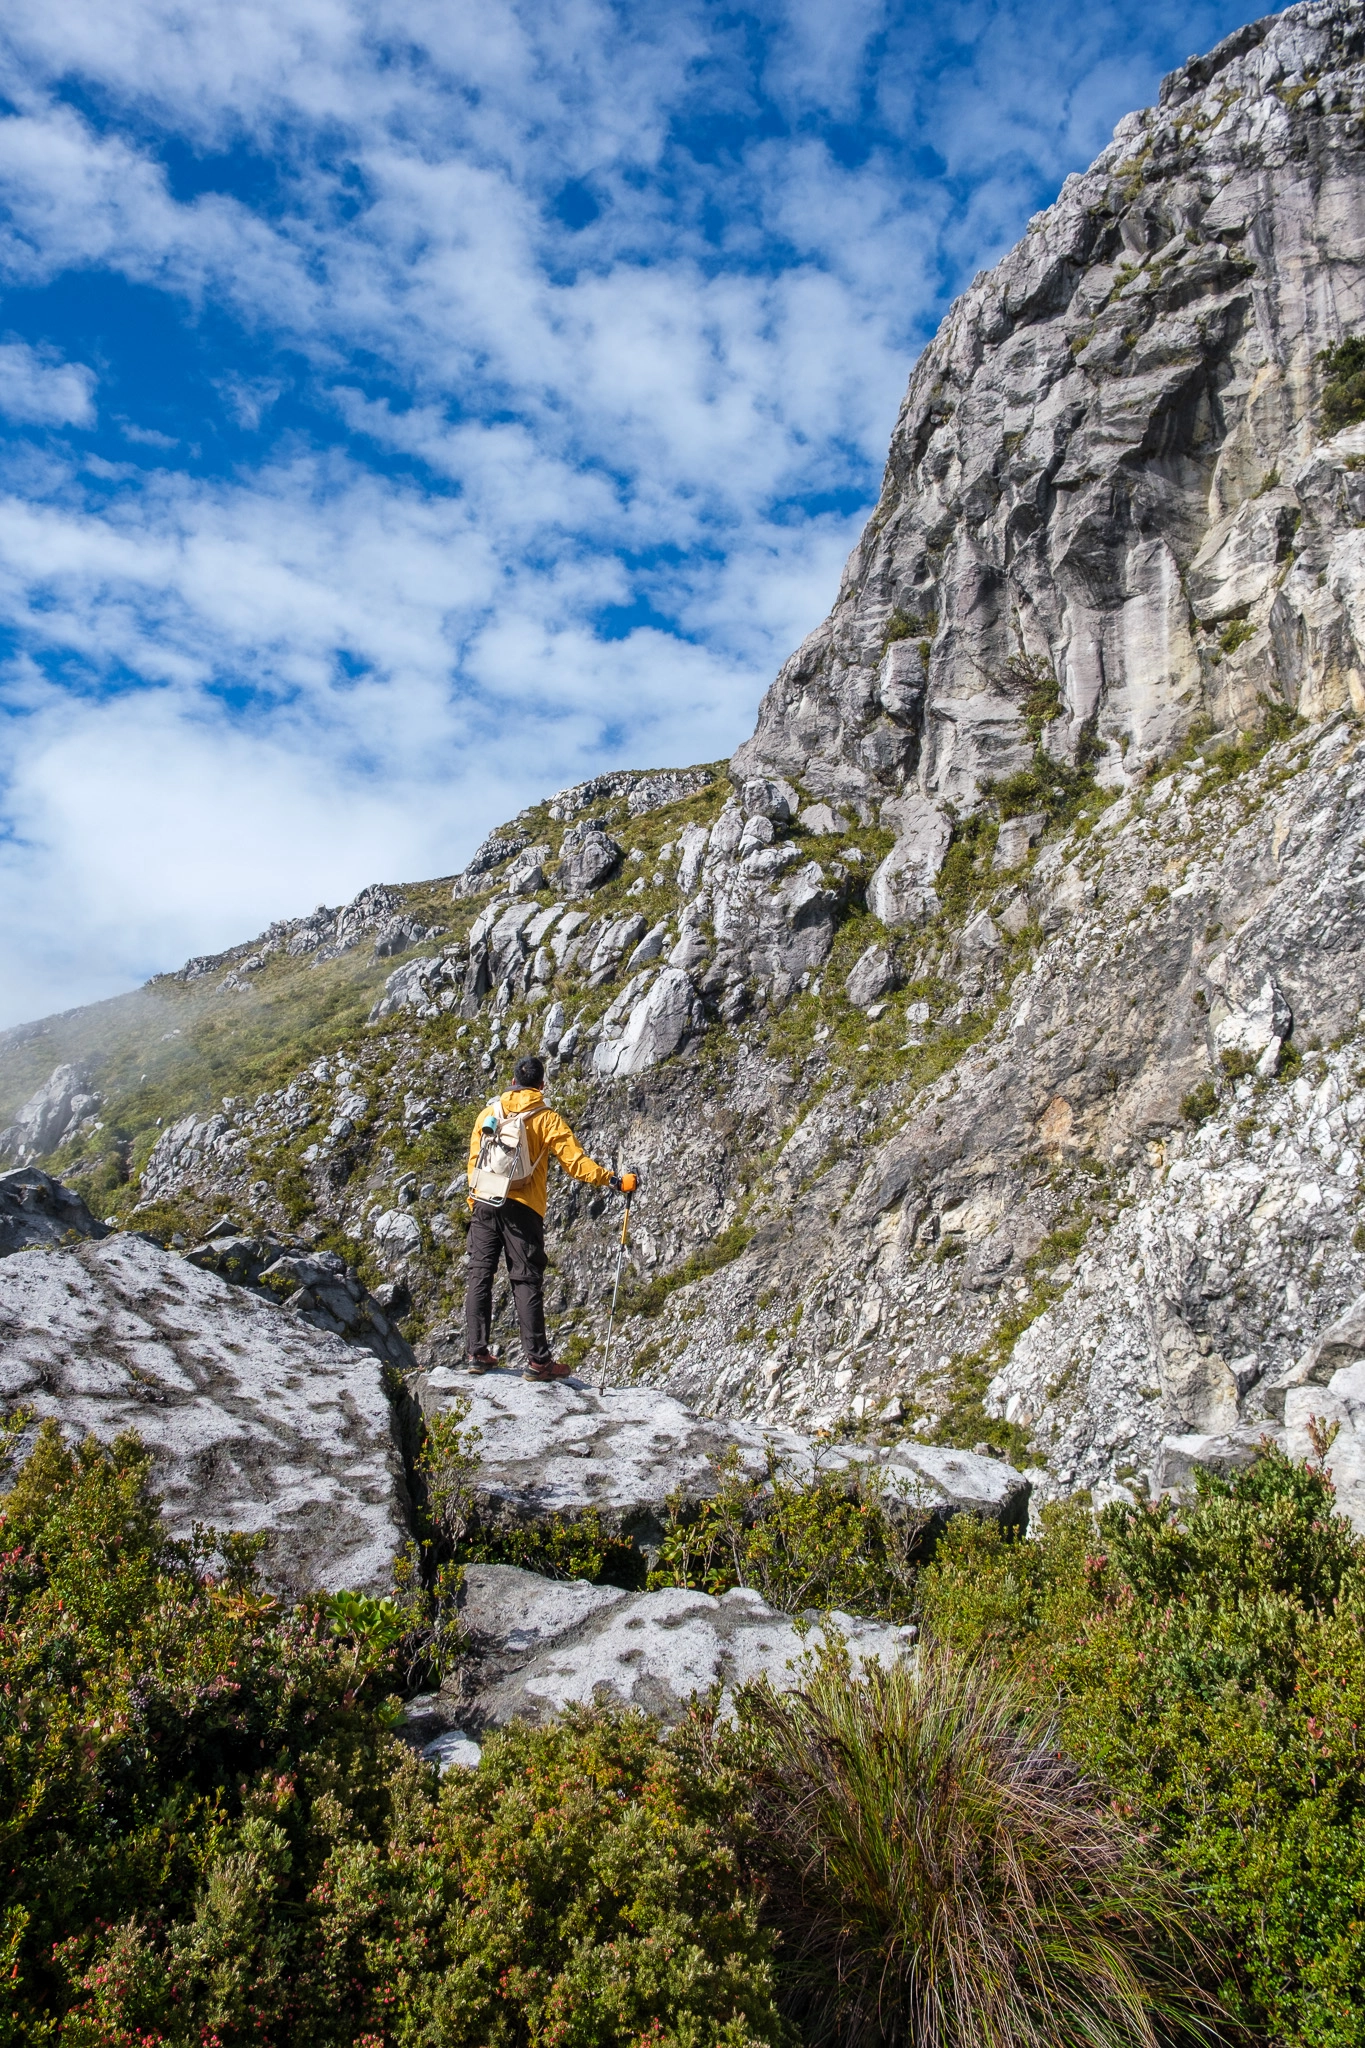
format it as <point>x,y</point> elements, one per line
<point>989,1033</point>
<point>1111,453</point>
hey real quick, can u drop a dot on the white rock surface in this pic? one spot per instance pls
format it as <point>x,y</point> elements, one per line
<point>901,890</point>
<point>255,1421</point>
<point>654,1028</point>
<point>52,1115</point>
<point>540,1646</point>
<point>567,1447</point>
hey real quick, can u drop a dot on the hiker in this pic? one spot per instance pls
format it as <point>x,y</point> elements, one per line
<point>508,1152</point>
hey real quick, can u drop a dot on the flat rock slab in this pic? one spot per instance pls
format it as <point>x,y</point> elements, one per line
<point>566,1448</point>
<point>537,1646</point>
<point>256,1421</point>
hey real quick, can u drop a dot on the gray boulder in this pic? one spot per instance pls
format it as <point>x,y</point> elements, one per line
<point>588,855</point>
<point>527,873</point>
<point>873,974</point>
<point>316,1286</point>
<point>537,1646</point>
<point>425,985</point>
<point>35,1209</point>
<point>255,1421</point>
<point>619,937</point>
<point>767,796</point>
<point>1327,1425</point>
<point>1235,1450</point>
<point>1342,1343</point>
<point>901,890</point>
<point>570,1448</point>
<point>496,849</point>
<point>1015,838</point>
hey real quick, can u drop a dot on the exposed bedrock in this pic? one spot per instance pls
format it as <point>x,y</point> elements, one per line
<point>255,1421</point>
<point>1111,452</point>
<point>537,1646</point>
<point>628,1453</point>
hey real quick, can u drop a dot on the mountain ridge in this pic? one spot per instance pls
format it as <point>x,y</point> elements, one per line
<point>1025,924</point>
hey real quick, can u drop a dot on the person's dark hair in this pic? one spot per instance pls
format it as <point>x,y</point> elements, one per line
<point>529,1073</point>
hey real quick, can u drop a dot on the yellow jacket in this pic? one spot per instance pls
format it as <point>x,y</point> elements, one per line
<point>546,1132</point>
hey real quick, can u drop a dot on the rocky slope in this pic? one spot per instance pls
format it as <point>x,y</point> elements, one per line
<point>988,1032</point>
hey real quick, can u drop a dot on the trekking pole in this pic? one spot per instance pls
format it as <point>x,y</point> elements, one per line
<point>628,1187</point>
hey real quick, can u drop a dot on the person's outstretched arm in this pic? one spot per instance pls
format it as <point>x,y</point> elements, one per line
<point>570,1154</point>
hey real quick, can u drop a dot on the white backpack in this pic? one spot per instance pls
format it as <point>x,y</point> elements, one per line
<point>504,1160</point>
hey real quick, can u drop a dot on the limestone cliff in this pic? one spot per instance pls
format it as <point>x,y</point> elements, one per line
<point>1111,451</point>
<point>989,1033</point>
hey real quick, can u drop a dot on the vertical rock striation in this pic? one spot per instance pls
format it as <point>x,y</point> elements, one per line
<point>1109,455</point>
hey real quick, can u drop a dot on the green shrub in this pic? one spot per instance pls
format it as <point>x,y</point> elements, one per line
<point>1235,634</point>
<point>1207,1661</point>
<point>213,1839</point>
<point>1200,1104</point>
<point>829,1542</point>
<point>1343,395</point>
<point>1053,787</point>
<point>942,1875</point>
<point>597,1903</point>
<point>170,1747</point>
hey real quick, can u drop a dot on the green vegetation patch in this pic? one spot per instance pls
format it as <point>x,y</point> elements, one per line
<point>834,1541</point>
<point>649,1297</point>
<point>1343,394</point>
<point>1122,1785</point>
<point>1207,1661</point>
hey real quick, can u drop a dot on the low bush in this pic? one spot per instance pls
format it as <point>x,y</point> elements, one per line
<point>213,1838</point>
<point>824,1543</point>
<point>1343,395</point>
<point>1208,1663</point>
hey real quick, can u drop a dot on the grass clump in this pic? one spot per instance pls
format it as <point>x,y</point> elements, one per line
<point>1222,765</point>
<point>904,625</point>
<point>727,1245</point>
<point>944,1875</point>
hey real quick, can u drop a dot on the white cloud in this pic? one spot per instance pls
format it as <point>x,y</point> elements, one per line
<point>37,389</point>
<point>233,695</point>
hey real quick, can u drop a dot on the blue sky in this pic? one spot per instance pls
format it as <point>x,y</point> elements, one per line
<point>408,409</point>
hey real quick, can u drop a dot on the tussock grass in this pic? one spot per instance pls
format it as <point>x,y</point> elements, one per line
<point>945,1877</point>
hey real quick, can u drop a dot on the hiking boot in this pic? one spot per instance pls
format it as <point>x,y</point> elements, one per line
<point>548,1369</point>
<point>482,1361</point>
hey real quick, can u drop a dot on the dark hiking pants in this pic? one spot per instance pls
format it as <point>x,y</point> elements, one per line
<point>518,1234</point>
